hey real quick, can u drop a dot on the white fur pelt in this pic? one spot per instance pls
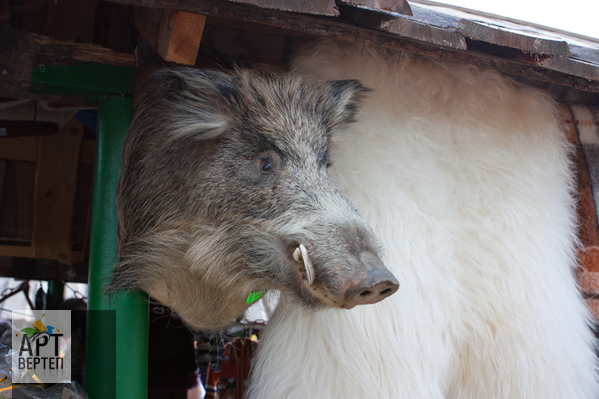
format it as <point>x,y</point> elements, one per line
<point>466,179</point>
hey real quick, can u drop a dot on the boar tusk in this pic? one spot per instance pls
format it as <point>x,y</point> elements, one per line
<point>307,264</point>
<point>301,254</point>
<point>297,255</point>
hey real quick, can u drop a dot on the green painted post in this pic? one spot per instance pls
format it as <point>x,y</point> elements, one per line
<point>130,379</point>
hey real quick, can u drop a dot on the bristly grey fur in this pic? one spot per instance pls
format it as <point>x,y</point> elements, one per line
<point>222,174</point>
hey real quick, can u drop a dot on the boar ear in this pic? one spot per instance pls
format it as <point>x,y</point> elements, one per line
<point>344,98</point>
<point>191,102</point>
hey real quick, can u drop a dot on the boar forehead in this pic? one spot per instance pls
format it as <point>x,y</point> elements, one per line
<point>289,118</point>
<point>287,115</point>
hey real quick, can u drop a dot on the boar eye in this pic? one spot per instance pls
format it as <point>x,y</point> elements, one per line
<point>266,166</point>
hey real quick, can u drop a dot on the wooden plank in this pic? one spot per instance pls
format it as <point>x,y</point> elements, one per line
<point>16,250</point>
<point>180,37</point>
<point>77,256</point>
<point>25,174</point>
<point>34,19</point>
<point>331,28</point>
<point>408,28</point>
<point>148,21</point>
<point>22,52</point>
<point>8,211</point>
<point>113,28</point>
<point>250,43</point>
<point>20,149</point>
<point>71,20</point>
<point>16,64</point>
<point>24,268</point>
<point>55,193</point>
<point>67,52</point>
<point>5,8</point>
<point>572,67</point>
<point>318,7</point>
<point>88,151</point>
<point>15,13</point>
<point>397,6</point>
<point>491,29</point>
<point>425,33</point>
<point>505,37</point>
<point>449,16</point>
<point>27,128</point>
<point>434,18</point>
<point>584,53</point>
<point>174,35</point>
<point>2,172</point>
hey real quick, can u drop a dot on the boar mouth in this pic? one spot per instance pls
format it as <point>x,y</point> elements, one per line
<point>370,283</point>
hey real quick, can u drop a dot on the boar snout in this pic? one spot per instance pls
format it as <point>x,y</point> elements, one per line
<point>371,285</point>
<point>369,281</point>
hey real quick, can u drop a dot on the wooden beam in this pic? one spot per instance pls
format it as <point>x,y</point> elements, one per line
<point>88,151</point>
<point>2,173</point>
<point>24,268</point>
<point>571,66</point>
<point>77,256</point>
<point>22,52</point>
<point>70,20</point>
<point>406,27</point>
<point>174,35</point>
<point>510,38</point>
<point>181,36</point>
<point>344,31</point>
<point>396,6</point>
<point>27,128</point>
<point>20,149</point>
<point>21,251</point>
<point>55,193</point>
<point>25,176</point>
<point>318,7</point>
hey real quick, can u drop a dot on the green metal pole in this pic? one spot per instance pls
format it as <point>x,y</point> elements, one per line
<point>55,294</point>
<point>117,342</point>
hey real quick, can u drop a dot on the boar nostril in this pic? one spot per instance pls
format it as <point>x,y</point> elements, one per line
<point>367,291</point>
<point>384,293</point>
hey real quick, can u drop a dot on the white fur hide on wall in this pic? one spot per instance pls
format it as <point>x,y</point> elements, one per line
<point>465,178</point>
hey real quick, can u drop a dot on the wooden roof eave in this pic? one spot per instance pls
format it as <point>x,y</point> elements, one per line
<point>452,38</point>
<point>23,51</point>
